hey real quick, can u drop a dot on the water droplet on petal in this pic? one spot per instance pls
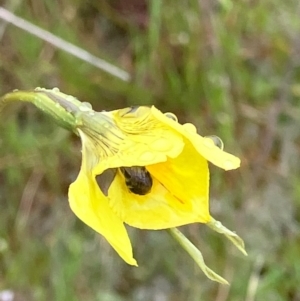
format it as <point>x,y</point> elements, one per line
<point>189,127</point>
<point>171,116</point>
<point>217,141</point>
<point>69,97</point>
<point>208,142</point>
<point>147,156</point>
<point>85,107</point>
<point>87,104</point>
<point>161,144</point>
<point>228,165</point>
<point>55,89</point>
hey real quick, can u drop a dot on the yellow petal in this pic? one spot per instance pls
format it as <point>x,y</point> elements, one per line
<point>142,136</point>
<point>90,205</point>
<point>205,146</point>
<point>117,144</point>
<point>159,209</point>
<point>186,177</point>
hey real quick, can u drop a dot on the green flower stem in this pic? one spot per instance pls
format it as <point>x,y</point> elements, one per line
<point>196,255</point>
<point>61,107</point>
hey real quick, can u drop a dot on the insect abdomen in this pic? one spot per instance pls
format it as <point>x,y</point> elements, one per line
<point>137,179</point>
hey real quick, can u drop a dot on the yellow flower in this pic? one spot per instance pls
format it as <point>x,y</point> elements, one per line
<point>141,167</point>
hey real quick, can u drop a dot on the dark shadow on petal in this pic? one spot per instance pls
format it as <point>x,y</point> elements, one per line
<point>105,179</point>
<point>129,110</point>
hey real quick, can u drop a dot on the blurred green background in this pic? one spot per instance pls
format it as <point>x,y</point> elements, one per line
<point>230,67</point>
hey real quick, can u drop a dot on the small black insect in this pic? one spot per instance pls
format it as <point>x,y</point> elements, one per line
<point>138,179</point>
